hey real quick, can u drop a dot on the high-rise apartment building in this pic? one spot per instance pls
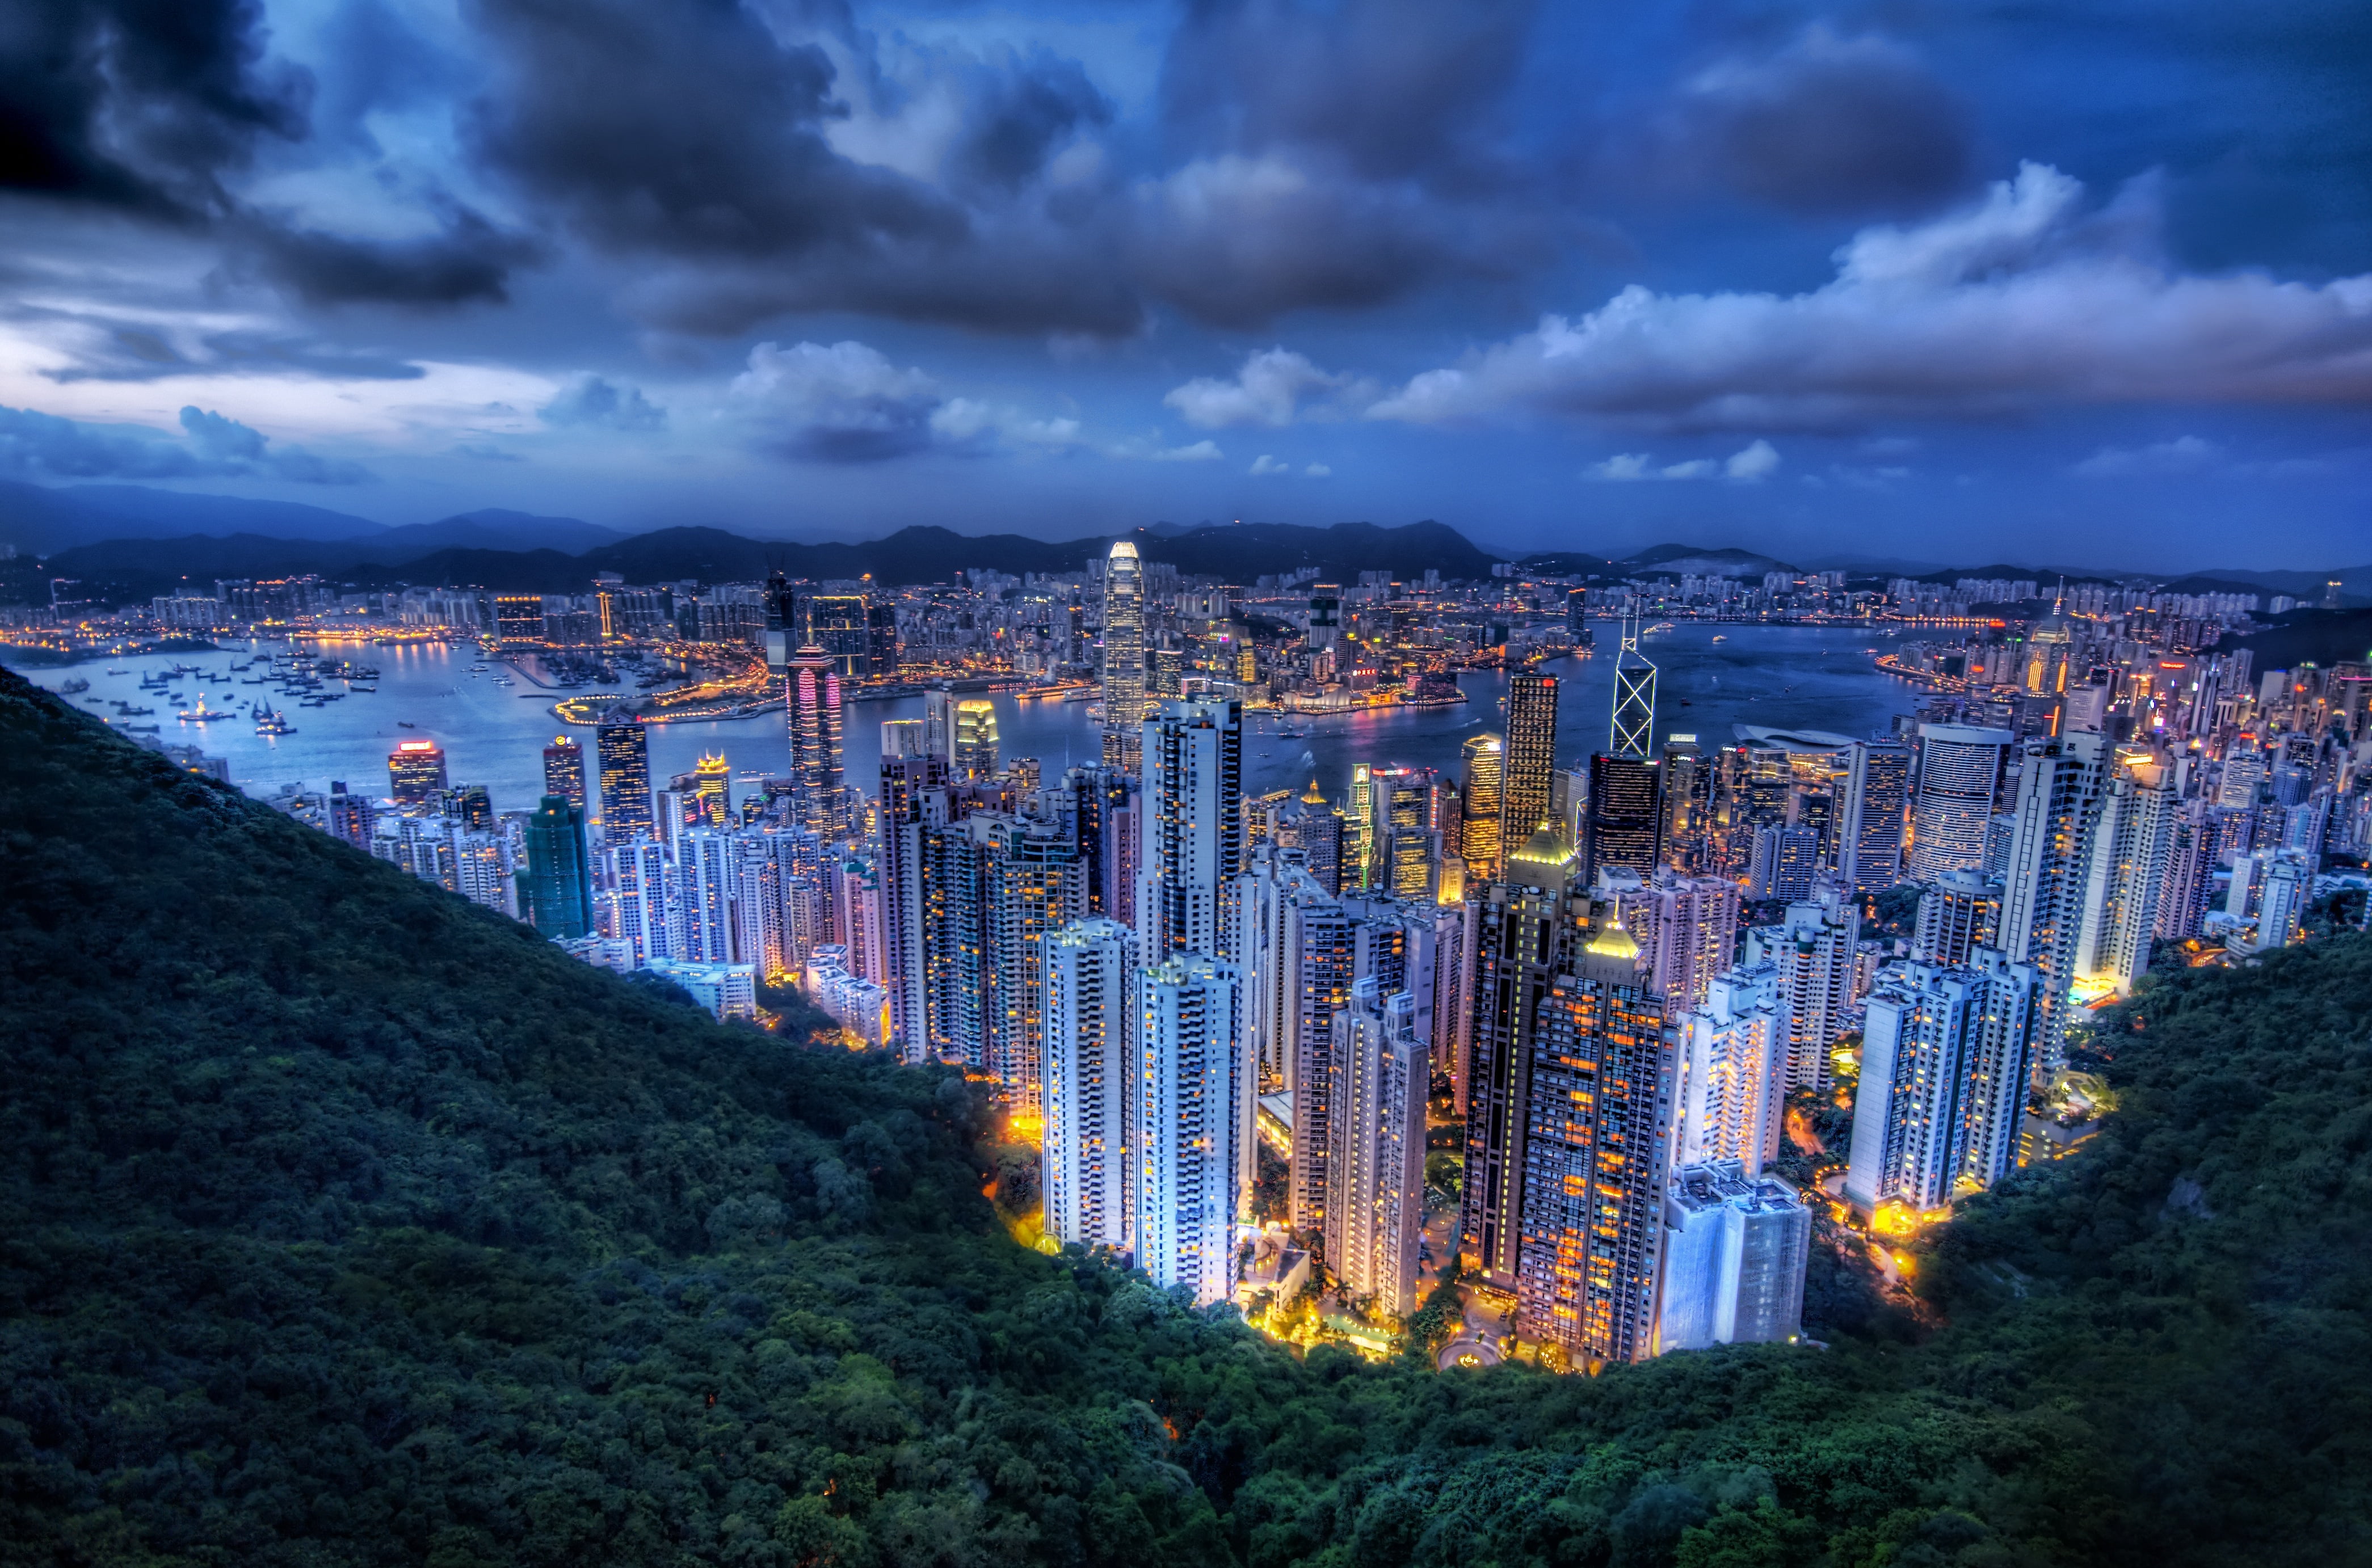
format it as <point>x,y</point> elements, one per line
<point>2131,840</point>
<point>623,749</point>
<point>1599,1108</point>
<point>1124,657</point>
<point>1685,827</point>
<point>353,818</point>
<point>1945,1060</point>
<point>906,778</point>
<point>1686,928</point>
<point>1960,783</point>
<point>563,771</point>
<point>1876,795</point>
<point>1528,757</point>
<point>415,773</point>
<point>1734,1070</point>
<point>2058,796</point>
<point>1183,1155</point>
<point>1032,885</point>
<point>559,871</point>
<point>1959,913</point>
<point>1404,842</point>
<point>1192,832</point>
<point>1736,1248</point>
<point>1813,949</point>
<point>1375,1199</point>
<point>1085,1079</point>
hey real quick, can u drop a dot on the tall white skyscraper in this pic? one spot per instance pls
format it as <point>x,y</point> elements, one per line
<point>1813,949</point>
<point>1376,1173</point>
<point>2059,794</point>
<point>2129,843</point>
<point>1123,663</point>
<point>1959,775</point>
<point>1085,1083</point>
<point>1182,1154</point>
<point>1686,928</point>
<point>633,897</point>
<point>1945,1055</point>
<point>705,872</point>
<point>1191,828</point>
<point>1960,912</point>
<point>1734,1259</point>
<point>1734,1070</point>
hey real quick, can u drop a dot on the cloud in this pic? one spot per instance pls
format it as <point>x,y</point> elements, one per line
<point>2029,297</point>
<point>1749,465</point>
<point>2183,455</point>
<point>42,446</point>
<point>1265,465</point>
<point>591,401</point>
<point>1828,125</point>
<point>1318,471</point>
<point>844,403</point>
<point>1267,390</point>
<point>466,260</point>
<point>1200,452</point>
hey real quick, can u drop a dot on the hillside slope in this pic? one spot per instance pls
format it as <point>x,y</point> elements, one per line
<point>342,1222</point>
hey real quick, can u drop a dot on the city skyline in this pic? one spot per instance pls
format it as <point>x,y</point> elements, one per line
<point>1062,269</point>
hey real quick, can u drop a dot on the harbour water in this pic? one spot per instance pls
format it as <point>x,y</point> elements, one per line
<point>1817,677</point>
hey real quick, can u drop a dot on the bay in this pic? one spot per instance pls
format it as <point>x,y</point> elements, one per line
<point>1785,677</point>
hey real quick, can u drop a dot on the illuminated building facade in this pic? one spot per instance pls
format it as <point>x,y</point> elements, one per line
<point>1085,1078</point>
<point>415,773</point>
<point>974,726</point>
<point>1736,1246</point>
<point>1876,789</point>
<point>1182,1135</point>
<point>1529,758</point>
<point>1123,657</point>
<point>1375,1204</point>
<point>1960,783</point>
<point>1624,814</point>
<point>816,710</point>
<point>1484,770</point>
<point>1945,1060</point>
<point>623,749</point>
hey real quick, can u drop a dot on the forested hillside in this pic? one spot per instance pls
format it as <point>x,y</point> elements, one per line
<point>342,1222</point>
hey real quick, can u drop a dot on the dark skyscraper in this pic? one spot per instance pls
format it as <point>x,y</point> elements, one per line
<point>1529,758</point>
<point>882,640</point>
<point>563,771</point>
<point>624,752</point>
<point>559,892</point>
<point>1624,805</point>
<point>1686,804</point>
<point>415,773</point>
<point>837,624</point>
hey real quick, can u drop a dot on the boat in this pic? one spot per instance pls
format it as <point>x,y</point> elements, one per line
<point>140,729</point>
<point>371,690</point>
<point>405,724</point>
<point>273,723</point>
<point>1721,637</point>
<point>201,714</point>
<point>74,688</point>
<point>119,672</point>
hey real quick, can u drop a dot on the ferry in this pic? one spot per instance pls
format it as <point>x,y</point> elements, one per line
<point>74,688</point>
<point>201,714</point>
<point>273,723</point>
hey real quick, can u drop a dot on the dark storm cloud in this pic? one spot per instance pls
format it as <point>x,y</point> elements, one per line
<point>591,401</point>
<point>139,104</point>
<point>1829,124</point>
<point>469,259</point>
<point>1022,113</point>
<point>1395,88</point>
<point>110,349</point>
<point>42,446</point>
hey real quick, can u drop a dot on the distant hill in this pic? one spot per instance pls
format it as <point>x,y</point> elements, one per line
<point>43,520</point>
<point>492,528</point>
<point>128,571</point>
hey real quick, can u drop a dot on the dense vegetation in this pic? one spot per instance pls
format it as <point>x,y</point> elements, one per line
<point>343,1222</point>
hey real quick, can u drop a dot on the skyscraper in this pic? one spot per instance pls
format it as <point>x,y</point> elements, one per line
<point>974,749</point>
<point>1192,833</point>
<point>563,771</point>
<point>1684,829</point>
<point>814,708</point>
<point>1686,928</point>
<point>559,871</point>
<point>905,779</point>
<point>1734,1070</point>
<point>1528,757</point>
<point>415,771</point>
<point>1124,662</point>
<point>1522,932</point>
<point>2127,870</point>
<point>836,625</point>
<point>1086,1073</point>
<point>2059,795</point>
<point>1376,1169</point>
<point>1961,913</point>
<point>1484,769</point>
<point>1869,826</point>
<point>1735,1255</point>
<point>1182,1154</point>
<point>1960,780</point>
<point>1032,885</point>
<point>1622,815</point>
<point>352,818</point>
<point>713,783</point>
<point>1634,695</point>
<point>1405,846</point>
<point>1598,1108</point>
<point>1813,949</point>
<point>624,748</point>
<point>1945,1056</point>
